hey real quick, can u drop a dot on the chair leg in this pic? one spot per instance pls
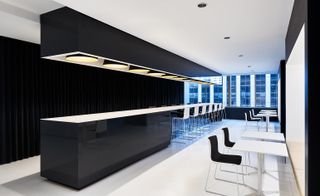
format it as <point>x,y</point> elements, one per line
<point>206,187</point>
<point>238,188</point>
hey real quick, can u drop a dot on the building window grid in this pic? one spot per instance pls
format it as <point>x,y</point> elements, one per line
<point>218,89</point>
<point>205,93</point>
<point>245,95</point>
<point>260,90</point>
<point>274,90</point>
<point>245,90</point>
<point>218,94</point>
<point>232,91</point>
<point>193,93</point>
<point>228,90</point>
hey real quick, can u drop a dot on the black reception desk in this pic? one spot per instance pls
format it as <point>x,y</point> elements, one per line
<point>78,150</point>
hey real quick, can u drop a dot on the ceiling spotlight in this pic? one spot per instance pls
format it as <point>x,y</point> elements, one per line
<point>113,65</point>
<point>226,38</point>
<point>179,78</point>
<point>202,5</point>
<point>240,55</point>
<point>139,70</point>
<point>156,74</point>
<point>169,77</point>
<point>80,58</point>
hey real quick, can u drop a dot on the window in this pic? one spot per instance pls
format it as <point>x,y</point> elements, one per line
<point>217,93</point>
<point>232,91</point>
<point>260,90</point>
<point>193,93</point>
<point>245,90</point>
<point>274,90</point>
<point>205,93</point>
<point>217,89</point>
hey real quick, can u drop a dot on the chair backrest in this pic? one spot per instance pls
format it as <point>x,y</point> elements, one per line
<point>215,107</point>
<point>186,113</point>
<point>250,115</point>
<point>227,141</point>
<point>210,108</point>
<point>203,110</point>
<point>214,153</point>
<point>253,112</point>
<point>196,111</point>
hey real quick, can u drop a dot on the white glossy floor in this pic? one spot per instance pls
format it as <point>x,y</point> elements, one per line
<point>179,170</point>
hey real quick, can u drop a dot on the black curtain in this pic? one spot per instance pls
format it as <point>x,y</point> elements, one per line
<point>32,88</point>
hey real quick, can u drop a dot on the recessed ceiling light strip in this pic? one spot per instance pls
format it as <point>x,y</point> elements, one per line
<point>114,65</point>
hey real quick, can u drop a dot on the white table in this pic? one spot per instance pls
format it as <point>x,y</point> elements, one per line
<point>267,115</point>
<point>268,110</point>
<point>279,137</point>
<point>261,148</point>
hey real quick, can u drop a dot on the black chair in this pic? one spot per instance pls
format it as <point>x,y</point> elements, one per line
<point>227,141</point>
<point>251,119</point>
<point>229,144</point>
<point>218,157</point>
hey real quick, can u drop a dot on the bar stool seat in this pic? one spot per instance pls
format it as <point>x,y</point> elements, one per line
<point>194,124</point>
<point>181,133</point>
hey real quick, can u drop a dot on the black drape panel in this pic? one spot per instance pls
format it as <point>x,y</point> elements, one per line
<point>32,88</point>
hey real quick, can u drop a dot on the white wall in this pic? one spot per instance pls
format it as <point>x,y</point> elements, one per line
<point>295,108</point>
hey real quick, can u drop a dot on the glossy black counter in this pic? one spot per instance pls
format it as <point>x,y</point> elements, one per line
<point>78,154</point>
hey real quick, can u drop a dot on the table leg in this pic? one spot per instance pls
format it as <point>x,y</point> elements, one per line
<point>260,169</point>
<point>267,123</point>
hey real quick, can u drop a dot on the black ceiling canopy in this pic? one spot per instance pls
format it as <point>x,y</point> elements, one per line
<point>66,31</point>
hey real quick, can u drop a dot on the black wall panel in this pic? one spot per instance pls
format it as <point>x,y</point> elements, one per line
<point>32,88</point>
<point>66,30</point>
<point>282,74</point>
<point>298,18</point>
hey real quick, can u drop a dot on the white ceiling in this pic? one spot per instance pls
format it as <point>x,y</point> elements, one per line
<point>20,19</point>
<point>257,27</point>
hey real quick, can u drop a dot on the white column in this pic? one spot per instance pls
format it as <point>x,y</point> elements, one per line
<point>268,89</point>
<point>224,90</point>
<point>199,93</point>
<point>186,92</point>
<point>238,90</point>
<point>211,93</point>
<point>252,90</point>
<point>295,107</point>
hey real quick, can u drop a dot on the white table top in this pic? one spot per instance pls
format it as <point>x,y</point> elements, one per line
<point>264,135</point>
<point>268,110</point>
<point>118,114</point>
<point>267,114</point>
<point>271,148</point>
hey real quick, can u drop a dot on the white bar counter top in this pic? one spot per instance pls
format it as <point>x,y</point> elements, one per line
<point>118,114</point>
